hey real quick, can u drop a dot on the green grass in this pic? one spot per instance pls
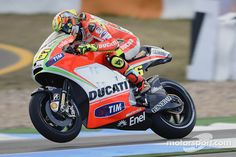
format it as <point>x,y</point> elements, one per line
<point>201,121</point>
<point>18,130</point>
<point>208,121</point>
<point>209,151</point>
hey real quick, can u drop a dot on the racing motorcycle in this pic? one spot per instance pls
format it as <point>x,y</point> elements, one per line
<point>78,90</point>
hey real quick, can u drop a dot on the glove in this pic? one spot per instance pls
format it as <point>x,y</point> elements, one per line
<point>82,49</point>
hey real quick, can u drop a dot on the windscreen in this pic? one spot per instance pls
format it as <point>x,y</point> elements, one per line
<point>52,39</point>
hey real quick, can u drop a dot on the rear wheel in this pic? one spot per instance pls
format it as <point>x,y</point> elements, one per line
<point>179,122</point>
<point>53,126</point>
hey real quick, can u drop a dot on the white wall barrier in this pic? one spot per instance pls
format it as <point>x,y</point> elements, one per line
<point>225,68</point>
<point>214,44</point>
<point>37,6</point>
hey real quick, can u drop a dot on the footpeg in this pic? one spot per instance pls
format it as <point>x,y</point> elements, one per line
<point>142,101</point>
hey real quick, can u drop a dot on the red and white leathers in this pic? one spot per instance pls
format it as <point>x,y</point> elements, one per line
<point>119,43</point>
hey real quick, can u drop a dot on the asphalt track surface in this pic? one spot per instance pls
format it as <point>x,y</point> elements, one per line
<point>20,146</point>
<point>13,58</point>
<point>7,58</point>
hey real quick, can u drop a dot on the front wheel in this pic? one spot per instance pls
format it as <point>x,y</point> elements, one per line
<point>52,126</point>
<point>178,123</point>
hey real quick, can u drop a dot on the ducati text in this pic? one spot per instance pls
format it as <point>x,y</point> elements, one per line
<point>108,90</point>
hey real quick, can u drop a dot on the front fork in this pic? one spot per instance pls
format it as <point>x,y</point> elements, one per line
<point>62,105</point>
<point>59,99</point>
<point>64,96</point>
<point>61,102</point>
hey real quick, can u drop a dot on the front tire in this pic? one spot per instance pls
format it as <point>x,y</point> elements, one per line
<point>182,124</point>
<point>38,111</point>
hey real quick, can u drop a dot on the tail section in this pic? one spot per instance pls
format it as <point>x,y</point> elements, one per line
<point>150,56</point>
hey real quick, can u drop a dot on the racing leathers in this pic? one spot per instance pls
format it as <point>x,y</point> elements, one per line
<point>119,44</point>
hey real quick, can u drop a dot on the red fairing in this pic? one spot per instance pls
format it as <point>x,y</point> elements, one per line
<point>95,122</point>
<point>70,62</point>
<point>69,40</point>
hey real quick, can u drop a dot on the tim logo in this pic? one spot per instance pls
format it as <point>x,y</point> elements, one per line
<point>55,59</point>
<point>110,109</point>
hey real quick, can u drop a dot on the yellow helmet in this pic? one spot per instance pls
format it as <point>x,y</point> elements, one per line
<point>64,21</point>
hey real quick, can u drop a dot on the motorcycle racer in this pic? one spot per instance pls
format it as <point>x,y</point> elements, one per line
<point>93,34</point>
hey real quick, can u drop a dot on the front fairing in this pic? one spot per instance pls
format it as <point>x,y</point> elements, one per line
<point>51,65</point>
<point>49,46</point>
<point>51,58</point>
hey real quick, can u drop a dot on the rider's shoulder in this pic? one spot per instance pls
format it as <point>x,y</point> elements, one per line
<point>91,26</point>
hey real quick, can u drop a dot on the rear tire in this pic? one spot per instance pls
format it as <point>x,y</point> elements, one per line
<point>49,130</point>
<point>163,125</point>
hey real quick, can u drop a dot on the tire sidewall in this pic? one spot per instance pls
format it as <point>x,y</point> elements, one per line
<point>43,128</point>
<point>163,128</point>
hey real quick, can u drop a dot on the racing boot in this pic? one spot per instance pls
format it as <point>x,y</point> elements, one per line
<point>136,79</point>
<point>142,85</point>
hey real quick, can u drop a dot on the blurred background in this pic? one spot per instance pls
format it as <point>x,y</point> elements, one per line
<point>199,33</point>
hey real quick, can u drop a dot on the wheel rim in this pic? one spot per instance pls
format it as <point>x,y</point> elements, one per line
<point>181,116</point>
<point>54,120</point>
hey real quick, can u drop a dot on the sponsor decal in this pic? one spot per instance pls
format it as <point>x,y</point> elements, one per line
<point>155,89</point>
<point>126,45</point>
<point>55,59</point>
<point>98,30</point>
<point>108,90</point>
<point>105,35</point>
<point>65,42</point>
<point>122,123</point>
<point>159,51</point>
<point>101,46</point>
<point>110,109</point>
<point>162,103</point>
<point>137,119</point>
<point>134,112</point>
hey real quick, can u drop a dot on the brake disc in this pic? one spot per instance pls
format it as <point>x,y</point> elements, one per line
<point>56,121</point>
<point>177,110</point>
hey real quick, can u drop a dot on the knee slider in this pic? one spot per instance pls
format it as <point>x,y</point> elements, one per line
<point>117,62</point>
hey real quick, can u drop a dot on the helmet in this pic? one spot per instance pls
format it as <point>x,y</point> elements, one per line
<point>66,21</point>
